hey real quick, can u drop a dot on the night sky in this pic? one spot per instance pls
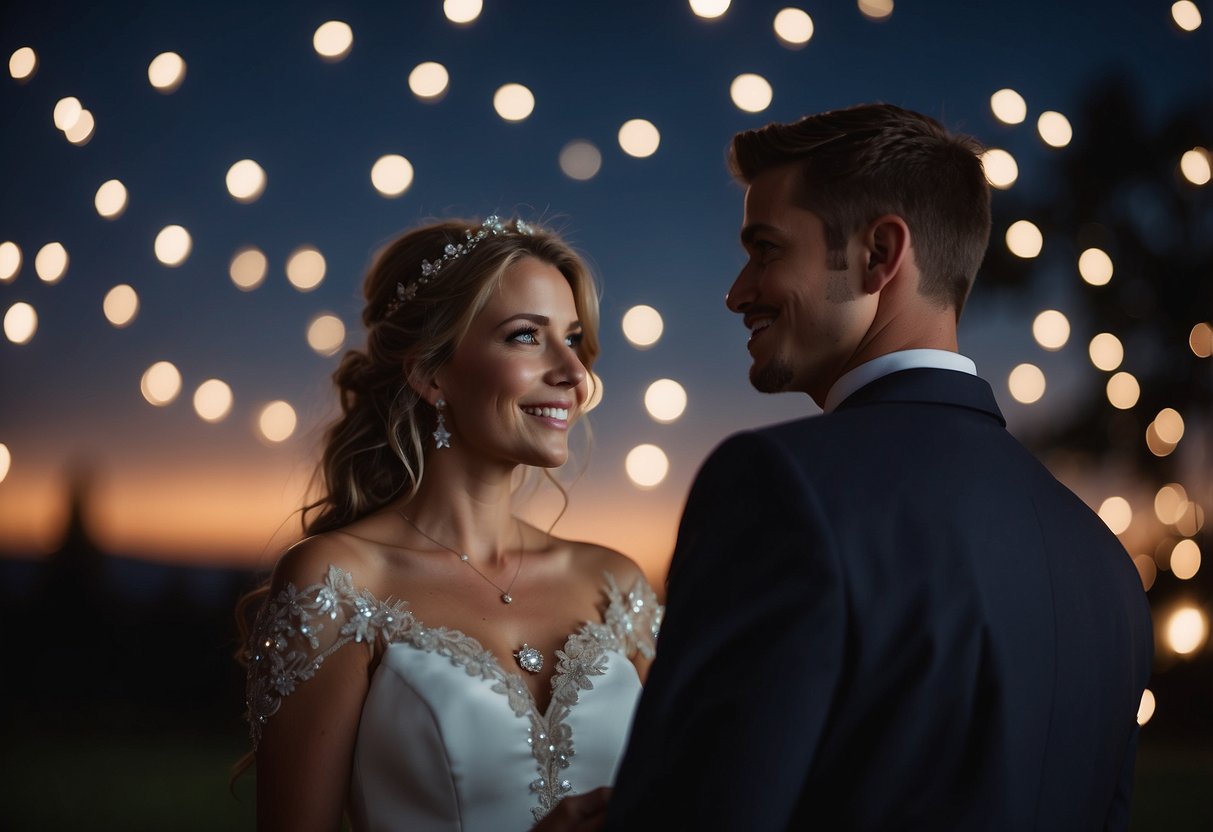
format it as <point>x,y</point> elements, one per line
<point>660,230</point>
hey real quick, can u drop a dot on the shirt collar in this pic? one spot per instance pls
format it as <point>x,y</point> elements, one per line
<point>894,362</point>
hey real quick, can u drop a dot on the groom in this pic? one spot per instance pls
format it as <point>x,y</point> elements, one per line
<point>889,616</point>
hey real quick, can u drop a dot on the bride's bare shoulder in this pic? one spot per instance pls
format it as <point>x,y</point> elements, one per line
<point>308,561</point>
<point>594,559</point>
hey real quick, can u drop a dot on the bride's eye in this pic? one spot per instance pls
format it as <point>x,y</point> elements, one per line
<point>526,335</point>
<point>574,339</point>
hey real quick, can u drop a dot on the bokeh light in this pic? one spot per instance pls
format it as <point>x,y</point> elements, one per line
<point>277,421</point>
<point>1000,167</point>
<point>23,63</point>
<point>1054,129</point>
<point>333,40</point>
<point>1187,628</point>
<point>1024,239</point>
<point>10,261</point>
<point>67,112</point>
<point>1145,708</point>
<point>665,400</point>
<point>20,323</point>
<point>751,92</point>
<point>642,326</point>
<point>462,11</point>
<point>1195,167</point>
<point>173,245</point>
<point>213,400</point>
<point>1186,15</point>
<point>1051,329</point>
<point>120,306</point>
<point>248,268</point>
<point>1008,106</point>
<point>166,72</point>
<point>1170,503</point>
<point>596,393</point>
<point>326,334</point>
<point>1123,390</point>
<point>110,200</point>
<point>1147,570</point>
<point>429,81</point>
<point>1026,383</point>
<point>50,262</point>
<point>6,461</point>
<point>81,133</point>
<point>580,160</point>
<point>1117,514</point>
<point>513,102</point>
<point>391,175</point>
<point>876,9</point>
<point>1170,425</point>
<point>1185,560</point>
<point>793,27</point>
<point>710,9</point>
<point>639,137</point>
<point>161,383</point>
<point>1200,339</point>
<point>646,465</point>
<point>1106,351</point>
<point>1095,266</point>
<point>245,181</point>
<point>1191,519</point>
<point>1155,443</point>
<point>305,268</point>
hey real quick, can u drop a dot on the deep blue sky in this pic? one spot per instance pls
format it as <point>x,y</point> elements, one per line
<point>660,230</point>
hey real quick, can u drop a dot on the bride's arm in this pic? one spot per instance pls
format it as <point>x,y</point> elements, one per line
<point>308,728</point>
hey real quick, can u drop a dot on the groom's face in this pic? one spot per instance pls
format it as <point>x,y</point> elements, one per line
<point>806,319</point>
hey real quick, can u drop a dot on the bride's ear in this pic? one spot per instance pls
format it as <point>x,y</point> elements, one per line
<point>425,385</point>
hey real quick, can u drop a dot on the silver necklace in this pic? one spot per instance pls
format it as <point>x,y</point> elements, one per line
<point>506,598</point>
<point>529,658</point>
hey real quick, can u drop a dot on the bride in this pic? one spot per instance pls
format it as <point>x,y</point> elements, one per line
<point>424,659</point>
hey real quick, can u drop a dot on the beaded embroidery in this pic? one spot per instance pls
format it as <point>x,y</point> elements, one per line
<point>288,646</point>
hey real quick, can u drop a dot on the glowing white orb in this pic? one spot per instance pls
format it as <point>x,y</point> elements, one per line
<point>166,72</point>
<point>173,245</point>
<point>391,175</point>
<point>245,181</point>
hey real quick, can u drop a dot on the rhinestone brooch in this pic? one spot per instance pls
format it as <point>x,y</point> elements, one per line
<point>529,659</point>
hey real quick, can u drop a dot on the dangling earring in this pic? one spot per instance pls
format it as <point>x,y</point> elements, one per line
<point>442,436</point>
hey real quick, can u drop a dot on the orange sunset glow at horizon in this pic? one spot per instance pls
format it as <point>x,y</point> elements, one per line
<point>171,516</point>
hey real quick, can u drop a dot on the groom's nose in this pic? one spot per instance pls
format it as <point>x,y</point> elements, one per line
<point>740,294</point>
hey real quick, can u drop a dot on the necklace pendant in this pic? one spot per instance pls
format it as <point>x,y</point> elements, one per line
<point>529,659</point>
<point>506,598</point>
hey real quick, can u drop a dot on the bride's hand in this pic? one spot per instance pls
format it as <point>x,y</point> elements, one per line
<point>578,813</point>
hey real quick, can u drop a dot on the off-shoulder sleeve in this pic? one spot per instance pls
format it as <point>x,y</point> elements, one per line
<point>634,616</point>
<point>297,630</point>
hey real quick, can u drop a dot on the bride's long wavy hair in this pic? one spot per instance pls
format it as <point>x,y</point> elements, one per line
<point>373,452</point>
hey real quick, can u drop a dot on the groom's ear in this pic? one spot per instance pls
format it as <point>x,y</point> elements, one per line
<point>887,245</point>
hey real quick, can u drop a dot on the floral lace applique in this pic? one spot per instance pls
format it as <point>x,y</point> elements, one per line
<point>635,618</point>
<point>298,629</point>
<point>286,648</point>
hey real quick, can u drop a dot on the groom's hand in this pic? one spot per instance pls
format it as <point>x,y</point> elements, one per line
<point>579,813</point>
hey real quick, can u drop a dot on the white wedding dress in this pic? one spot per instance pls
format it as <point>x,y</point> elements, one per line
<point>449,739</point>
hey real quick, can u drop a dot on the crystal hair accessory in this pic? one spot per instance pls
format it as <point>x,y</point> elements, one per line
<point>492,225</point>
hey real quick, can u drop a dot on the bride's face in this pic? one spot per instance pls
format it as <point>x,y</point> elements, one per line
<point>515,384</point>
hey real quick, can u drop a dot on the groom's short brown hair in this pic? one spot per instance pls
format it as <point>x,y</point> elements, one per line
<point>861,162</point>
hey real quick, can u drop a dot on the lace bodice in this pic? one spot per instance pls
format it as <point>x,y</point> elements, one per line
<point>298,630</point>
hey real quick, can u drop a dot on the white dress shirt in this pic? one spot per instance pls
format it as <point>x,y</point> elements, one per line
<point>893,362</point>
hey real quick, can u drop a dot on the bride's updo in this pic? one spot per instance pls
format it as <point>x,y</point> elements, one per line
<point>415,316</point>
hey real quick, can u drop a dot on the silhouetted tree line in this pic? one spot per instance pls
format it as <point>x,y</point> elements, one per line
<point>1117,187</point>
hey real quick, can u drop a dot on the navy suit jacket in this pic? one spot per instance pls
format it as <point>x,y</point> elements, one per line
<point>890,617</point>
